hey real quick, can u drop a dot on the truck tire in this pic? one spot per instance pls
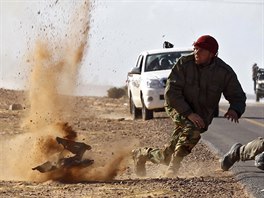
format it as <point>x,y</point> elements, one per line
<point>216,112</point>
<point>136,113</point>
<point>257,97</point>
<point>146,113</point>
<point>130,102</point>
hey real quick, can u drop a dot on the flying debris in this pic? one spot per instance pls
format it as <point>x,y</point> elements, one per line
<point>77,148</point>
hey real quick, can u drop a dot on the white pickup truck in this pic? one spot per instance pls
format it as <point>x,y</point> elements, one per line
<point>146,82</point>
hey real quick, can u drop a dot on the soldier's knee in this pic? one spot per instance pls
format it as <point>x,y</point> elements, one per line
<point>193,136</point>
<point>196,135</point>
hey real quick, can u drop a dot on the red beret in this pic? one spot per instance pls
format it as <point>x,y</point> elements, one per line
<point>207,42</point>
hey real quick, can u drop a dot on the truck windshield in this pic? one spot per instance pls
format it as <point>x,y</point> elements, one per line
<point>261,77</point>
<point>163,61</point>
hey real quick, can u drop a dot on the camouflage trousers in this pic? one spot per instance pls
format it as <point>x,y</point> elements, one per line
<point>251,149</point>
<point>184,137</point>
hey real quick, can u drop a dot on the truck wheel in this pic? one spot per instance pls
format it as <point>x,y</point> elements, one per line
<point>257,97</point>
<point>146,114</point>
<point>136,113</point>
<point>130,105</point>
<point>216,112</point>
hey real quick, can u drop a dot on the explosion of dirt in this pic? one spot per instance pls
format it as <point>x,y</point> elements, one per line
<point>102,170</point>
<point>54,73</point>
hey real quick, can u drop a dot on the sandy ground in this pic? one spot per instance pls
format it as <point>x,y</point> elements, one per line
<point>105,125</point>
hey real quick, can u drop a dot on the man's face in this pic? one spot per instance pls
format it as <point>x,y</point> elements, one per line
<point>202,56</point>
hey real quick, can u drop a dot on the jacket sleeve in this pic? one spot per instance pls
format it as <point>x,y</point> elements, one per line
<point>174,90</point>
<point>234,93</point>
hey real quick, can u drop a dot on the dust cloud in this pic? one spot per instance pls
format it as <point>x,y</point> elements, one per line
<point>55,65</point>
<point>105,168</point>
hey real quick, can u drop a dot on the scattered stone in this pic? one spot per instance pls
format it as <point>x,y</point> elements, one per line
<point>15,107</point>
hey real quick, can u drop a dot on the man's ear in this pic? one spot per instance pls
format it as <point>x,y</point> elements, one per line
<point>212,55</point>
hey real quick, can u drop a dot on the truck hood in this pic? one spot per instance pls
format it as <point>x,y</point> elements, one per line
<point>156,74</point>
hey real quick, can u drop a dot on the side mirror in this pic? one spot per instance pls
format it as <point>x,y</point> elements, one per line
<point>135,70</point>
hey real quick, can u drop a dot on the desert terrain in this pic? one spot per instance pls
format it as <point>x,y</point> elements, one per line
<point>48,110</point>
<point>104,124</point>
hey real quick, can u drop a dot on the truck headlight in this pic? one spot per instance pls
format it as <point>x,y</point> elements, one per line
<point>260,86</point>
<point>154,83</point>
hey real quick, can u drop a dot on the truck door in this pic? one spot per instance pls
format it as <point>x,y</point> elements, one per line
<point>135,83</point>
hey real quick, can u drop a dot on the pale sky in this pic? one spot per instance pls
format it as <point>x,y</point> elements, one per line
<point>121,29</point>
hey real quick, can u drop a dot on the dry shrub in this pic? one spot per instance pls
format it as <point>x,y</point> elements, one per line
<point>116,92</point>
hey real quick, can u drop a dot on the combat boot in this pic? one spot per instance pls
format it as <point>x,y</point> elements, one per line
<point>232,156</point>
<point>140,156</point>
<point>174,166</point>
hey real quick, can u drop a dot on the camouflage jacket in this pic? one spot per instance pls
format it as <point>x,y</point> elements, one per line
<point>191,88</point>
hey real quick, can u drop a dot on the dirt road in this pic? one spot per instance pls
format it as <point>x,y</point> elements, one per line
<point>105,124</point>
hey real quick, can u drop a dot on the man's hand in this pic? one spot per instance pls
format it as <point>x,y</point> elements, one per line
<point>231,114</point>
<point>197,120</point>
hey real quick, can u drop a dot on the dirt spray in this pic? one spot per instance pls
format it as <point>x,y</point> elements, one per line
<point>54,73</point>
